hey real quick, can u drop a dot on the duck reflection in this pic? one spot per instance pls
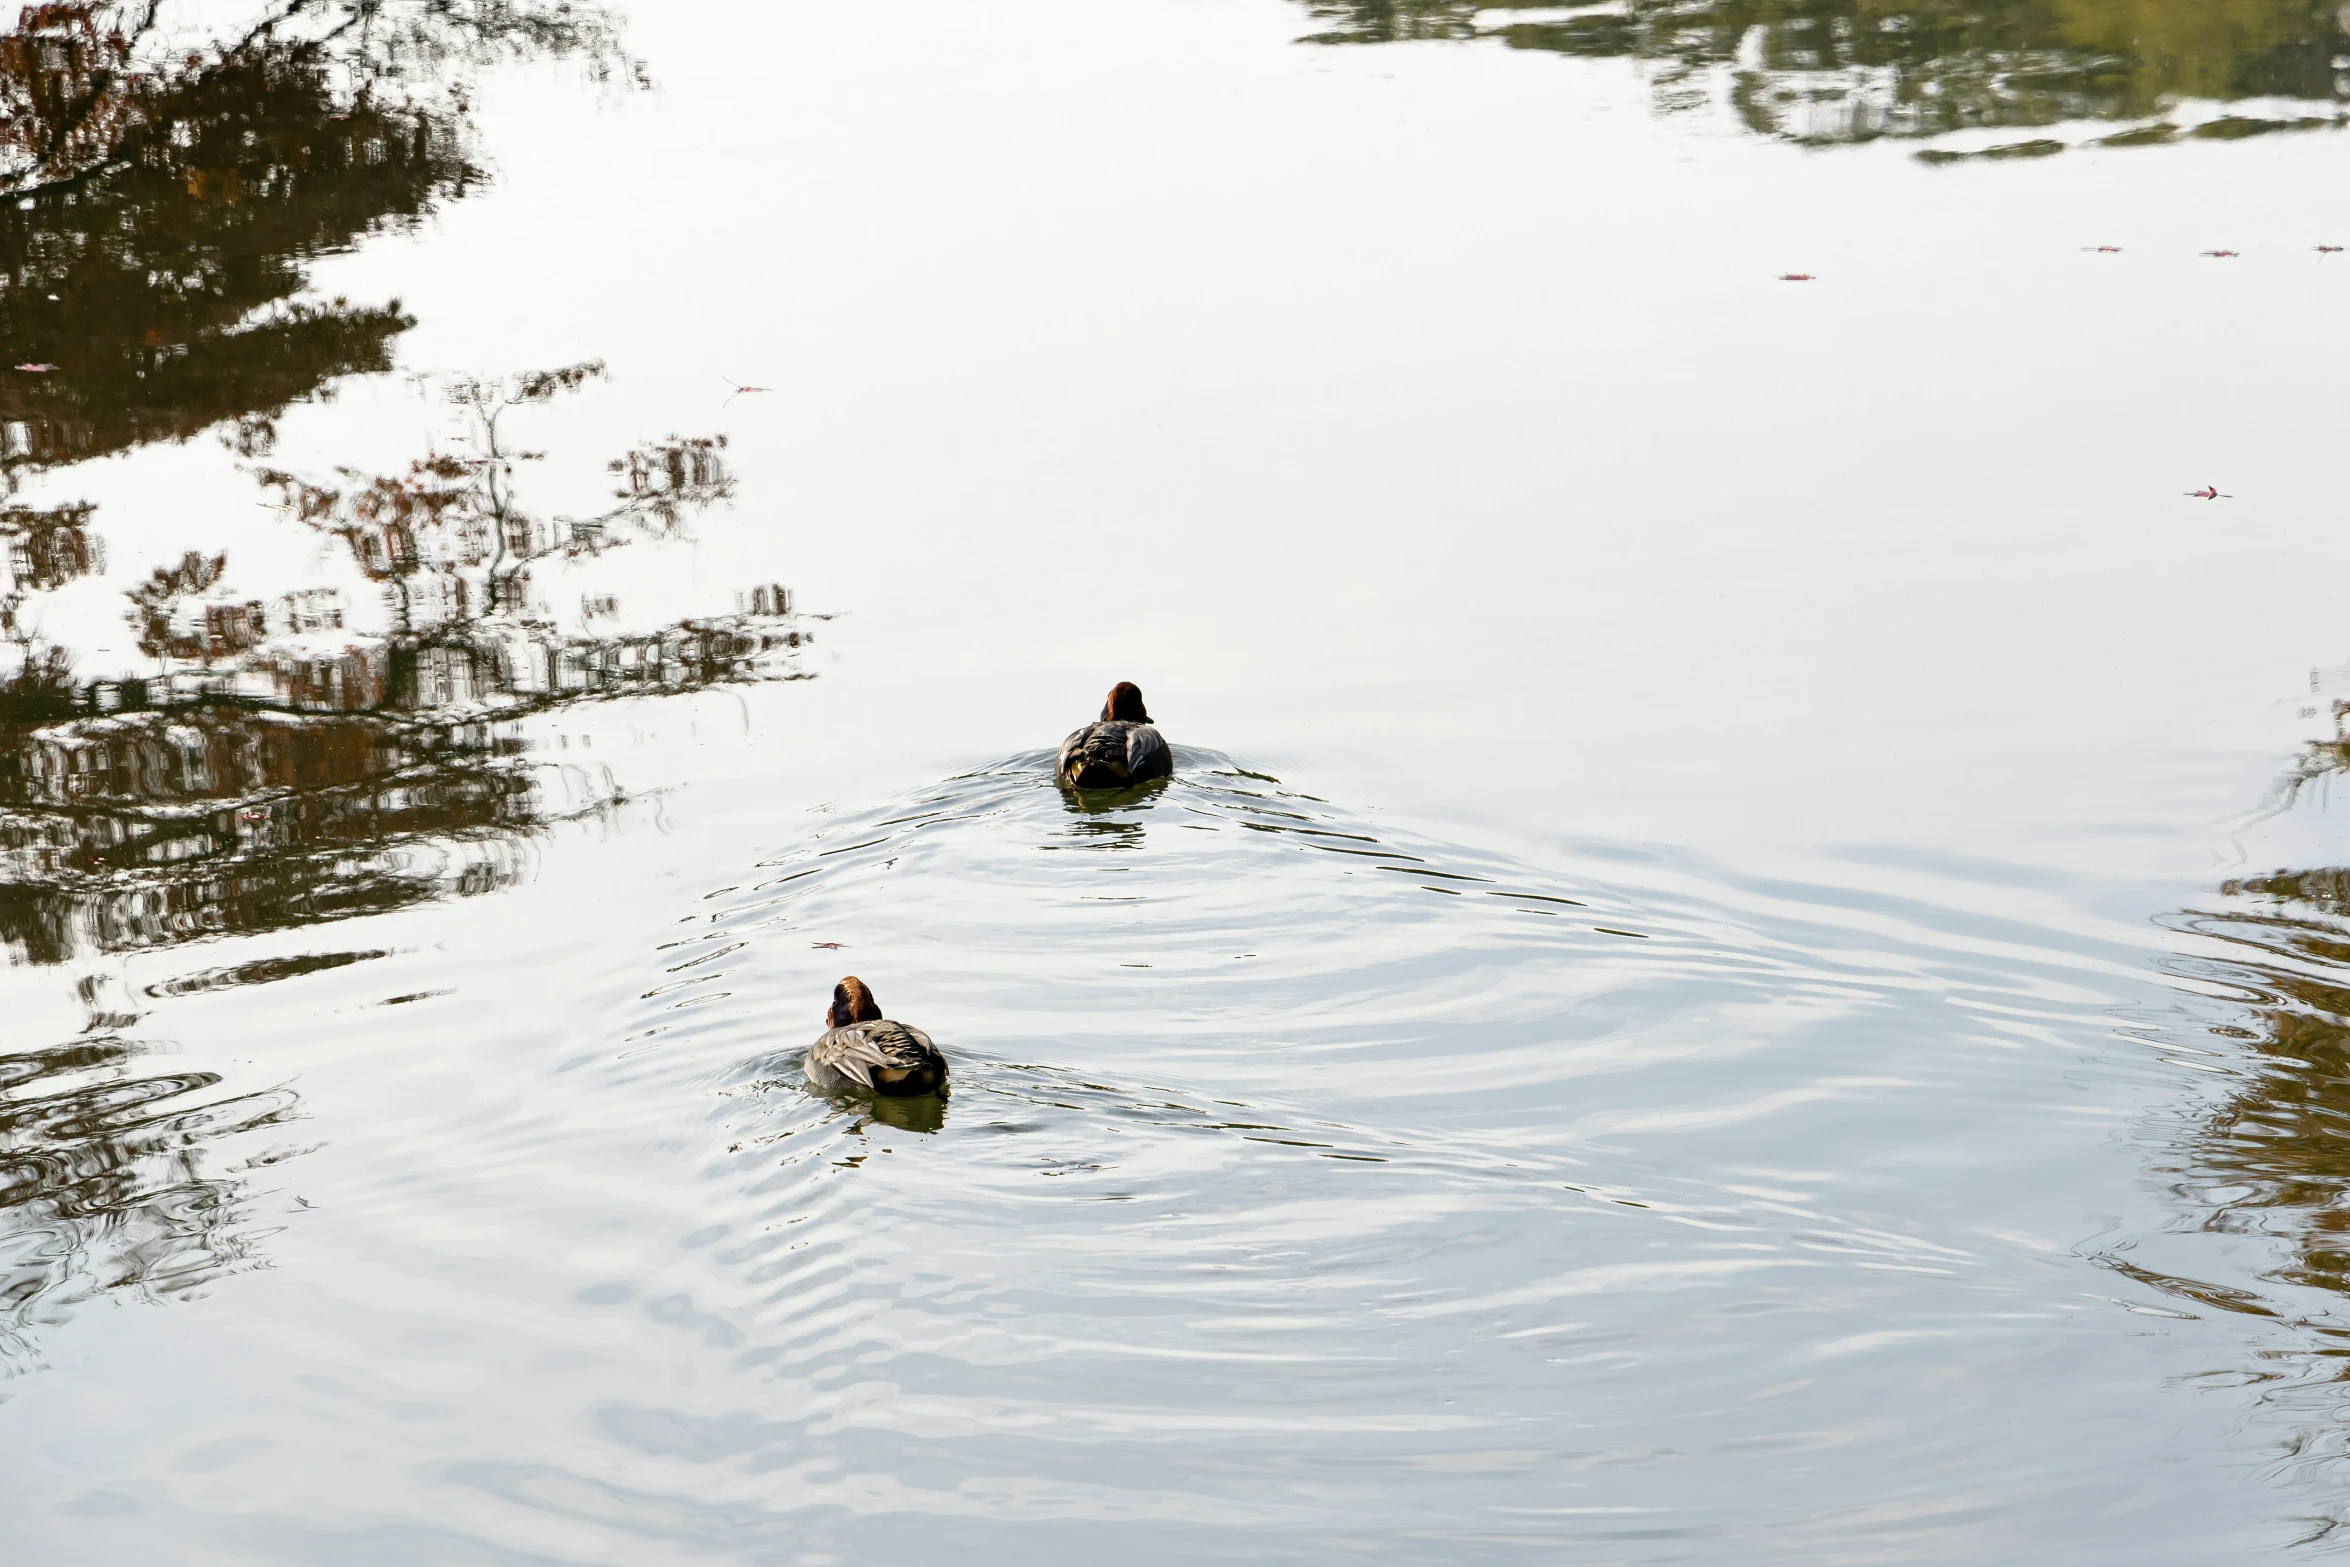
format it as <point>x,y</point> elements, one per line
<point>165,200</point>
<point>115,1178</point>
<point>1107,819</point>
<point>1098,803</point>
<point>1849,72</point>
<point>924,1116</point>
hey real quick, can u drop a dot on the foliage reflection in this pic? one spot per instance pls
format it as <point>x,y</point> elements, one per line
<point>163,205</point>
<point>2274,1157</point>
<point>1826,71</point>
<point>281,768</point>
<point>279,763</point>
<point>280,759</point>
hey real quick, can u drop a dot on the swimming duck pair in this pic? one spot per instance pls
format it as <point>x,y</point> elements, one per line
<point>861,1049</point>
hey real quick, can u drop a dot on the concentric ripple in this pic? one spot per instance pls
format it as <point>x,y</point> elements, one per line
<point>1311,1189</point>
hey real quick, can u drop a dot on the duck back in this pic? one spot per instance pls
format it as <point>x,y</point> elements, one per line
<point>881,1057</point>
<point>1112,754</point>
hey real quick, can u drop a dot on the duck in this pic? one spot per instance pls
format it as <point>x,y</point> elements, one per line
<point>1122,747</point>
<point>861,1049</point>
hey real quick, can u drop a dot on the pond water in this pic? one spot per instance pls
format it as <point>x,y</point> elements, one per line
<point>1746,960</point>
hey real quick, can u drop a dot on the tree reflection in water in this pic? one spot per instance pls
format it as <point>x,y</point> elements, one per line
<point>163,206</point>
<point>1829,71</point>
<point>283,770</point>
<point>2270,1156</point>
<point>276,764</point>
<point>104,1185</point>
<point>2277,1154</point>
<point>2279,1149</point>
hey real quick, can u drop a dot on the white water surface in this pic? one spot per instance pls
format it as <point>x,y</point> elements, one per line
<point>1428,430</point>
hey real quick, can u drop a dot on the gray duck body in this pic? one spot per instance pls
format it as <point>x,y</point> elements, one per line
<point>877,1056</point>
<point>1112,754</point>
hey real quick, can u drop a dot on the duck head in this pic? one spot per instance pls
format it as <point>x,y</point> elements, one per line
<point>1125,703</point>
<point>852,1003</point>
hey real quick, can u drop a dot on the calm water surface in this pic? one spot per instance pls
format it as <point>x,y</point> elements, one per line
<point>1747,959</point>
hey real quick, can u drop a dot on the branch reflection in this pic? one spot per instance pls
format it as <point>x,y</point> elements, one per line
<point>162,205</point>
<point>118,1179</point>
<point>283,769</point>
<point>280,759</point>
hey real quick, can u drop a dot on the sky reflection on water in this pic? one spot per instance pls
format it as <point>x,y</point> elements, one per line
<point>424,852</point>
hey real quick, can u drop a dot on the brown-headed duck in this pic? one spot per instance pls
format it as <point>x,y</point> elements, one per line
<point>862,1049</point>
<point>1123,747</point>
